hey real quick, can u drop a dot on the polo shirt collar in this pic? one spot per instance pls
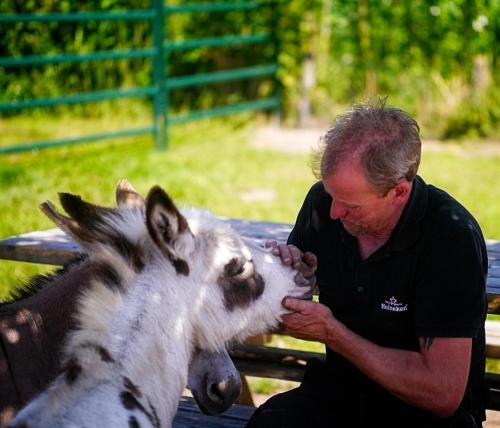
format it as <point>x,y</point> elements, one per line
<point>408,227</point>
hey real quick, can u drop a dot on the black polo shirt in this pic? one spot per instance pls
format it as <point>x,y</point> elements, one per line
<point>428,280</point>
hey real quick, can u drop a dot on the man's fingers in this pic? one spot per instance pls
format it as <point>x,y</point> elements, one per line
<point>310,260</point>
<point>294,304</point>
<point>271,244</point>
<point>305,277</point>
<point>292,256</point>
<point>296,255</point>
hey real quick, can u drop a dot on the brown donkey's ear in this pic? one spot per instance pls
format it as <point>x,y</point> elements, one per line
<point>86,221</point>
<point>126,195</point>
<point>167,227</point>
<point>67,224</point>
<point>85,213</point>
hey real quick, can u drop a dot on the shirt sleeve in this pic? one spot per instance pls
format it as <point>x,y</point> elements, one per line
<point>451,287</point>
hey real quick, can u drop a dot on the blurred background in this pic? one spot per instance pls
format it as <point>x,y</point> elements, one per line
<point>309,60</point>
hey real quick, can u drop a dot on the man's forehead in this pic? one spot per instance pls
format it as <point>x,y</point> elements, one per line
<point>349,184</point>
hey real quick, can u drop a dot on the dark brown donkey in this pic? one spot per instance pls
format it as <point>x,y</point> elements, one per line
<point>32,330</point>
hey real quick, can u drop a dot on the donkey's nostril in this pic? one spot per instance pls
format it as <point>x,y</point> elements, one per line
<point>216,391</point>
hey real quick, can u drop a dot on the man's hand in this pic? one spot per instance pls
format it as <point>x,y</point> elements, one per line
<point>308,320</point>
<point>304,263</point>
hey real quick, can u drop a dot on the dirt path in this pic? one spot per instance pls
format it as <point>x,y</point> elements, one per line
<point>304,140</point>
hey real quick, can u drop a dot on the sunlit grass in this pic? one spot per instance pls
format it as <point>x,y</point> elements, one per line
<point>209,165</point>
<point>471,174</point>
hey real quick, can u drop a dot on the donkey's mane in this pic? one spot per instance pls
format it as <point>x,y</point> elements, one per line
<point>22,290</point>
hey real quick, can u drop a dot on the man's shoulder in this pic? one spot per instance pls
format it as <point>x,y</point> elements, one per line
<point>314,216</point>
<point>317,196</point>
<point>446,215</point>
<point>317,189</point>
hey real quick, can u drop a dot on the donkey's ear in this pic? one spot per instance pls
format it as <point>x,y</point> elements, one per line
<point>67,224</point>
<point>85,220</point>
<point>85,213</point>
<point>168,229</point>
<point>126,195</point>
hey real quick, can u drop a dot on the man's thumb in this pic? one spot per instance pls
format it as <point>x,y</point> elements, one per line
<point>292,304</point>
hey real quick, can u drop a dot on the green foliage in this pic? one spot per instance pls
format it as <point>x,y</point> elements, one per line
<point>477,119</point>
<point>432,58</point>
<point>23,39</point>
<point>423,55</point>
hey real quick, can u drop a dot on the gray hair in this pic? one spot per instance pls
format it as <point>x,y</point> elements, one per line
<point>385,140</point>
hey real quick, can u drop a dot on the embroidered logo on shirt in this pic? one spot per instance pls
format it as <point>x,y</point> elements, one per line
<point>393,305</point>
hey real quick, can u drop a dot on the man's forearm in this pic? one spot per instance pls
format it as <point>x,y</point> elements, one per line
<point>433,379</point>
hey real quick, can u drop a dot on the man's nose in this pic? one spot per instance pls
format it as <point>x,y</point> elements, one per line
<point>337,211</point>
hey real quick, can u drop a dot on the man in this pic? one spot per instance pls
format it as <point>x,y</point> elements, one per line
<point>401,274</point>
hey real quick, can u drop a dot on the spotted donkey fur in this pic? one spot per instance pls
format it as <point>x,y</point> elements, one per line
<point>164,283</point>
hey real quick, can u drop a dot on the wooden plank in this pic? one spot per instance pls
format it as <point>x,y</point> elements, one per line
<point>492,338</point>
<point>189,416</point>
<point>493,281</point>
<point>289,364</point>
<point>54,247</point>
<point>51,246</point>
<point>271,362</point>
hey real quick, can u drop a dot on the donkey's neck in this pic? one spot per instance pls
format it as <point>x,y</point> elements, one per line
<point>127,335</point>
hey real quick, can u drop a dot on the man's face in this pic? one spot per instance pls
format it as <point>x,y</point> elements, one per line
<point>361,207</point>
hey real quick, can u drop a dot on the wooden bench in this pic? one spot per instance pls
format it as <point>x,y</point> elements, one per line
<point>54,247</point>
<point>189,416</point>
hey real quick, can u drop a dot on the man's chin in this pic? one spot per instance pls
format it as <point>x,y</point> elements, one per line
<point>354,229</point>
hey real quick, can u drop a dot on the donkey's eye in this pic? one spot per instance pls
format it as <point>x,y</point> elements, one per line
<point>235,267</point>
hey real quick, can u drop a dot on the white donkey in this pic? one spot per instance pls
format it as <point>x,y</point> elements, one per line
<point>163,285</point>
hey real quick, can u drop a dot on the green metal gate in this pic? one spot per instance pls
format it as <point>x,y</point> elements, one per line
<point>161,83</point>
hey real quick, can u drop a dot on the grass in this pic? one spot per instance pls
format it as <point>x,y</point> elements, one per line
<point>210,165</point>
<point>470,172</point>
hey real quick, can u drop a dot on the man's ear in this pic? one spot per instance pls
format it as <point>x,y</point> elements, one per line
<point>401,191</point>
<point>169,229</point>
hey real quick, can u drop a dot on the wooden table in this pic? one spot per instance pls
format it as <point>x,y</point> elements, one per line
<point>54,247</point>
<point>189,416</point>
